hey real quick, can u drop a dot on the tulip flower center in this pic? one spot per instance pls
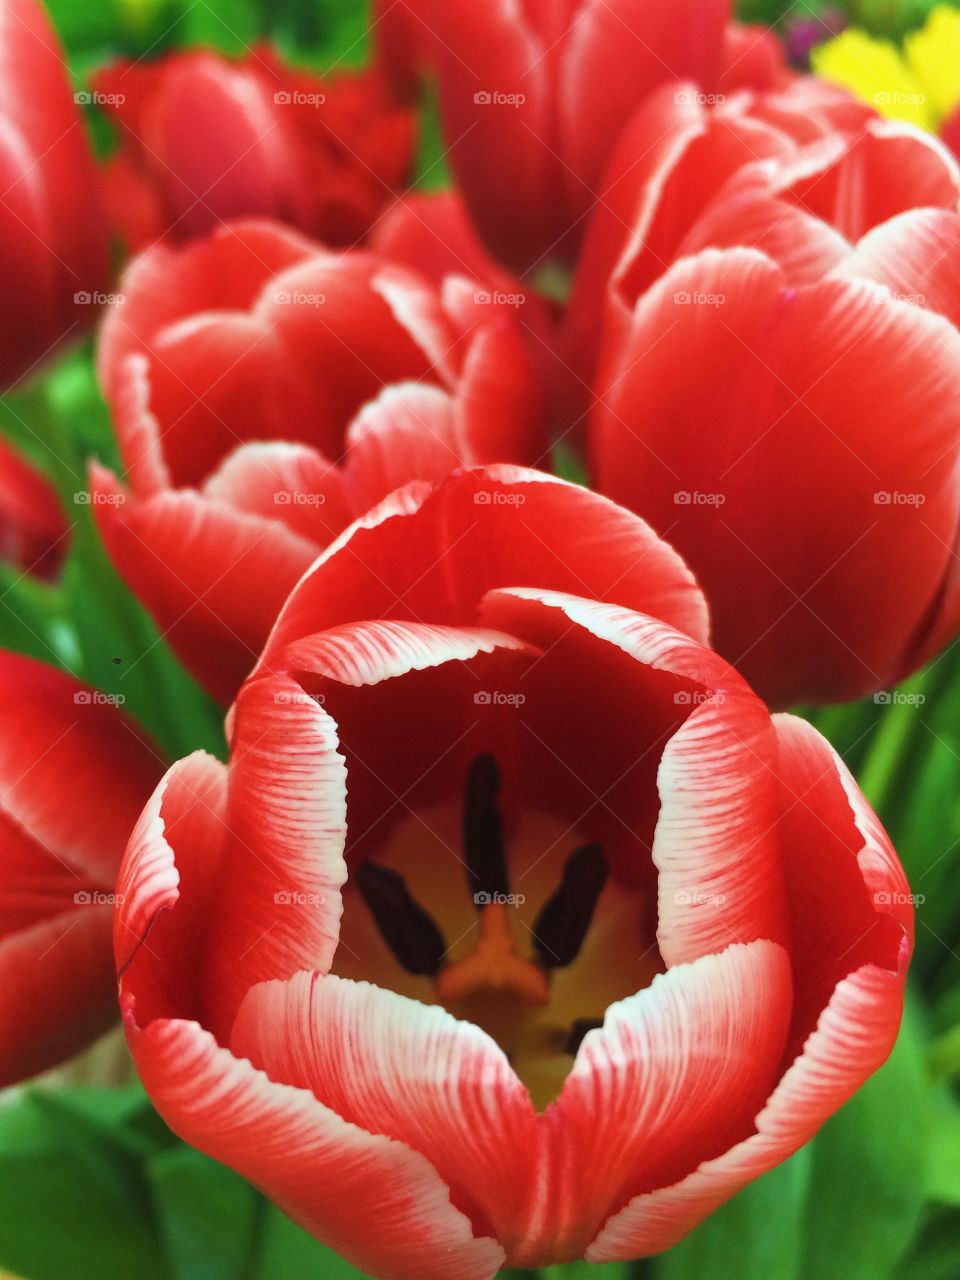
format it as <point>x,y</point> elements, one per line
<point>519,968</point>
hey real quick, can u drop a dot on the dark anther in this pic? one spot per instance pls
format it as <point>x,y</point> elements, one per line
<point>409,931</point>
<point>482,834</point>
<point>565,917</point>
<point>578,1029</point>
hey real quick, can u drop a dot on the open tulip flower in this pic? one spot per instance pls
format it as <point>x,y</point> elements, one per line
<point>266,392</point>
<point>783,403</point>
<point>515,930</point>
<point>64,748</point>
<point>325,156</point>
<point>52,227</point>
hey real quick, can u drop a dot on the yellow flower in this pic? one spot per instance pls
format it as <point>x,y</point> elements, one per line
<point>919,83</point>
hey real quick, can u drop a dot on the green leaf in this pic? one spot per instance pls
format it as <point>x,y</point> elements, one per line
<point>73,1202</point>
<point>868,1174</point>
<point>284,1251</point>
<point>208,1215</point>
<point>755,1236</point>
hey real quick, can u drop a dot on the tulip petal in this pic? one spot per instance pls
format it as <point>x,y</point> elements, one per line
<point>431,233</point>
<point>716,850</point>
<point>289,482</point>
<point>849,900</point>
<point>630,47</point>
<point>33,530</point>
<point>853,1038</point>
<point>62,749</point>
<point>165,892</point>
<point>714,841</point>
<point>852,932</point>
<point>829,372</point>
<point>225,270</point>
<point>407,433</point>
<point>917,255</point>
<point>436,553</point>
<point>846,181</point>
<point>676,1072</point>
<point>279,909</point>
<point>322,1171</point>
<point>58,989</point>
<point>413,1073</point>
<point>514,204</point>
<point>191,560</point>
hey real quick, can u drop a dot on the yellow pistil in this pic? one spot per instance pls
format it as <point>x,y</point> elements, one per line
<point>494,966</point>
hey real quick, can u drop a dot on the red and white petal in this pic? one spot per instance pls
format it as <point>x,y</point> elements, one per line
<point>58,989</point>
<point>288,482</point>
<point>215,381</point>
<point>435,554</point>
<point>676,1073</point>
<point>407,433</point>
<point>848,898</point>
<point>828,372</point>
<point>225,270</point>
<point>212,577</point>
<point>716,845</point>
<point>422,680</point>
<point>917,255</point>
<point>63,750</point>
<point>718,786</point>
<point>279,909</point>
<point>852,932</point>
<point>414,1073</point>
<point>853,1038</point>
<point>166,891</point>
<point>859,182</point>
<point>139,433</point>
<point>375,1201</point>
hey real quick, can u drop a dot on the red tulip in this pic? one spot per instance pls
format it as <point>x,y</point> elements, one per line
<point>784,404</point>
<point>265,393</point>
<point>51,224</point>
<point>515,930</point>
<point>533,97</point>
<point>74,774</point>
<point>672,157</point>
<point>33,531</point>
<point>322,155</point>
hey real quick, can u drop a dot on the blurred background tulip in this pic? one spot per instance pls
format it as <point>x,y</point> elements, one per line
<point>33,529</point>
<point>322,154</point>
<point>51,225</point>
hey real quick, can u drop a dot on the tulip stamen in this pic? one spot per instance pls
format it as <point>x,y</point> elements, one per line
<point>410,932</point>
<point>483,847</point>
<point>578,1029</point>
<point>565,917</point>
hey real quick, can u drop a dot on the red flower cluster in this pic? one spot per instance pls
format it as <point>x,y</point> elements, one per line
<point>514,914</point>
